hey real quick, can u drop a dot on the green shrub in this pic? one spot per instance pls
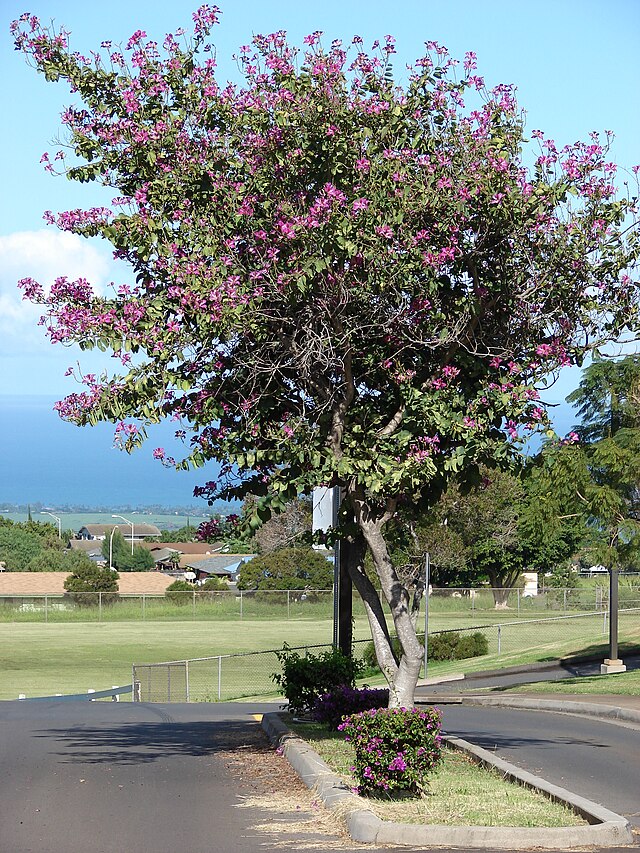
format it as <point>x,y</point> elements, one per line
<point>369,658</point>
<point>177,592</point>
<point>447,645</point>
<point>471,645</point>
<point>303,679</point>
<point>88,580</point>
<point>443,646</point>
<point>213,585</point>
<point>395,748</point>
<point>287,568</point>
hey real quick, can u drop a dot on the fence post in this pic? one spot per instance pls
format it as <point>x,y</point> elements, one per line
<point>518,590</point>
<point>288,604</point>
<point>168,684</point>
<point>193,604</point>
<point>144,602</point>
<point>99,607</point>
<point>564,604</point>
<point>499,639</point>
<point>186,678</point>
<point>46,608</point>
<point>241,604</point>
<point>219,677</point>
<point>604,624</point>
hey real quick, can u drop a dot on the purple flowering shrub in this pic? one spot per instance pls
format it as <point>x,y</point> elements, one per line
<point>344,700</point>
<point>395,748</point>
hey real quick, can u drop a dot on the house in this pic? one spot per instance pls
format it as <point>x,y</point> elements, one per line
<point>91,547</point>
<point>219,566</point>
<point>102,531</point>
<point>164,558</point>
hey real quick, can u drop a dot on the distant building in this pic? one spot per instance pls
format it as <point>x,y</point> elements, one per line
<point>102,531</point>
<point>221,566</point>
<point>91,547</point>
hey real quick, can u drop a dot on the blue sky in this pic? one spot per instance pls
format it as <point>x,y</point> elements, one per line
<point>575,63</point>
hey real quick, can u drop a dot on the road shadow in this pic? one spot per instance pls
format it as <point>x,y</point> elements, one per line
<point>144,743</point>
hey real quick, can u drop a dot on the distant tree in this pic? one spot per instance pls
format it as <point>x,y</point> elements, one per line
<point>288,568</point>
<point>187,533</point>
<point>608,398</point>
<point>140,560</point>
<point>54,560</point>
<point>89,579</point>
<point>18,547</point>
<point>21,541</point>
<point>286,528</point>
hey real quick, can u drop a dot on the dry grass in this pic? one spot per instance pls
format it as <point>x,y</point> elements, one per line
<point>283,810</point>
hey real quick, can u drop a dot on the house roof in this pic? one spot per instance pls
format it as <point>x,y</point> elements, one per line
<point>224,564</point>
<point>52,583</point>
<point>160,554</point>
<point>88,546</point>
<point>105,529</point>
<point>184,547</point>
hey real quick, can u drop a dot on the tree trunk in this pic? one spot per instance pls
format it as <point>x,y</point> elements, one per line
<point>403,677</point>
<point>502,587</point>
<point>373,607</point>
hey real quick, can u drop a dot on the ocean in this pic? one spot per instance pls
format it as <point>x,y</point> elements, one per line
<point>45,459</point>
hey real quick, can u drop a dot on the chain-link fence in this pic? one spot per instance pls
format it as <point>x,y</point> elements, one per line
<point>444,604</point>
<point>227,677</point>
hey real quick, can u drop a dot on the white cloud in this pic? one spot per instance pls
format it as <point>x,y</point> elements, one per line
<point>44,255</point>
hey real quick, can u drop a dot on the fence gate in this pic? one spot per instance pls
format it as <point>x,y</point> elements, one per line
<point>166,682</point>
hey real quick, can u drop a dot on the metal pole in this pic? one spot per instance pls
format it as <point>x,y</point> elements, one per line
<point>288,604</point>
<point>219,677</point>
<point>99,607</point>
<point>46,608</point>
<point>186,678</point>
<point>427,573</point>
<point>499,639</point>
<point>613,614</point>
<point>44,512</point>
<point>335,506</point>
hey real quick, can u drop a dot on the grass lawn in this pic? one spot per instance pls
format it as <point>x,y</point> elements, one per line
<point>460,791</point>
<point>619,684</point>
<point>40,660</point>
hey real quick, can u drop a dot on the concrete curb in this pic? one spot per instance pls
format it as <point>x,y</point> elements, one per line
<point>610,713</point>
<point>605,829</point>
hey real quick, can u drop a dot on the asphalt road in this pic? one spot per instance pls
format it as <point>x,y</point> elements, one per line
<point>596,759</point>
<point>108,778</point>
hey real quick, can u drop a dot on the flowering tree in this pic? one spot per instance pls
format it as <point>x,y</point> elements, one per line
<point>336,280</point>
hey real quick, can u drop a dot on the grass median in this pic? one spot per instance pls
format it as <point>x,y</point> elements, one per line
<point>461,793</point>
<point>614,684</point>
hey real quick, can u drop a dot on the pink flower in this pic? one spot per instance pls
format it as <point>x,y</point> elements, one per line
<point>360,204</point>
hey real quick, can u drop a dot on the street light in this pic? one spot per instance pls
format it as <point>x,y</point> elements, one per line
<point>44,512</point>
<point>111,546</point>
<point>128,522</point>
